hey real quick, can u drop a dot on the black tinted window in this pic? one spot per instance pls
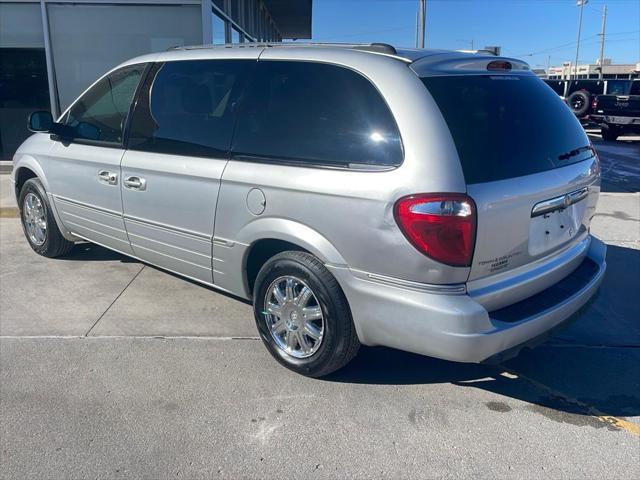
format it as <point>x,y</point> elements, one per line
<point>618,87</point>
<point>312,112</point>
<point>507,126</point>
<point>635,88</point>
<point>106,105</point>
<point>594,87</point>
<point>556,85</point>
<point>187,107</point>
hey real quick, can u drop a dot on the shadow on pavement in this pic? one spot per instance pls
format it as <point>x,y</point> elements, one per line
<point>90,252</point>
<point>595,360</point>
<point>619,164</point>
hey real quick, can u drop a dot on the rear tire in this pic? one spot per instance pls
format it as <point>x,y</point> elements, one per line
<point>303,316</point>
<point>609,133</point>
<point>38,223</point>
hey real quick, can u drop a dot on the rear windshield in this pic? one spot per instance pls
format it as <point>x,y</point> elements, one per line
<point>506,126</point>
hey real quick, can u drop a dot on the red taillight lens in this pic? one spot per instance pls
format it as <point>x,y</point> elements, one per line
<point>442,226</point>
<point>499,65</point>
<point>594,104</point>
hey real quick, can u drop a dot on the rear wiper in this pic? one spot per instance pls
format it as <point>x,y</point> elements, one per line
<point>573,153</point>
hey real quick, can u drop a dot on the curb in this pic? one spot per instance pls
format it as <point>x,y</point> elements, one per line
<point>6,166</point>
<point>9,212</point>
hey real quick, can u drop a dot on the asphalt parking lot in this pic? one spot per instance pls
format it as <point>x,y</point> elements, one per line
<point>111,368</point>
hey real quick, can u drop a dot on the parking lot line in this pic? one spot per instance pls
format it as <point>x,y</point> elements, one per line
<point>615,422</point>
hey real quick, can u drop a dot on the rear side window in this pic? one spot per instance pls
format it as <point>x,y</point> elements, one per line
<point>106,104</point>
<point>187,107</point>
<point>594,87</point>
<point>506,126</point>
<point>618,87</point>
<point>303,112</point>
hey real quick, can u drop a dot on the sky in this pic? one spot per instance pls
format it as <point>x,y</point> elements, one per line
<point>538,31</point>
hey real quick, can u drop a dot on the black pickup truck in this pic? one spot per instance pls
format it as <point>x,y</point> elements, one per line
<point>618,114</point>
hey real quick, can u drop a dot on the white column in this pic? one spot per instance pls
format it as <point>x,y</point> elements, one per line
<point>207,22</point>
<point>51,76</point>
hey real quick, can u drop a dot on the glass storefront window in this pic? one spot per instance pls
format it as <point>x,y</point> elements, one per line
<point>24,88</point>
<point>24,85</point>
<point>235,36</point>
<point>218,29</point>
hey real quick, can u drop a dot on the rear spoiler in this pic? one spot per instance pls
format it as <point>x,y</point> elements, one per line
<point>458,63</point>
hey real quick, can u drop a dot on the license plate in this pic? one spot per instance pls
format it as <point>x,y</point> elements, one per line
<point>549,231</point>
<point>618,120</point>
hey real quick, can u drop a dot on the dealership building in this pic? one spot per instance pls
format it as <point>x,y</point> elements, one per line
<point>51,50</point>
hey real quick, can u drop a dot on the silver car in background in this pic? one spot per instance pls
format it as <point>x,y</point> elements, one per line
<point>431,201</point>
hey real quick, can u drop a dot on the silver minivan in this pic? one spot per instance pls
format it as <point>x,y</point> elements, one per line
<point>432,201</point>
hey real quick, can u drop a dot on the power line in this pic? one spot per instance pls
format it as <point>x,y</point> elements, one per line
<point>570,44</point>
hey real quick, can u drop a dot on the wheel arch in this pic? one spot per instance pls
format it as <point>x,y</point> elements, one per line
<point>267,237</point>
<point>27,167</point>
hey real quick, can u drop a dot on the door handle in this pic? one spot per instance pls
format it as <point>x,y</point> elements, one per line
<point>110,178</point>
<point>135,183</point>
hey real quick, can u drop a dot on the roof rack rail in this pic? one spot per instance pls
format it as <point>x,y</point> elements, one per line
<point>377,48</point>
<point>366,47</point>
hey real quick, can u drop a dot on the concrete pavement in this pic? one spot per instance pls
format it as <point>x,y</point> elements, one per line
<point>188,408</point>
<point>113,369</point>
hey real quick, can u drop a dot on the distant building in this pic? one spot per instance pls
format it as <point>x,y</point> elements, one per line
<point>592,71</point>
<point>52,50</point>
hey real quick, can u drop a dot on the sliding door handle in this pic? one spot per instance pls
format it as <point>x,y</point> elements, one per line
<point>135,183</point>
<point>110,178</point>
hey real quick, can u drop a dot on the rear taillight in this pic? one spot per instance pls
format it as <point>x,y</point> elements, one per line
<point>594,104</point>
<point>497,65</point>
<point>442,226</point>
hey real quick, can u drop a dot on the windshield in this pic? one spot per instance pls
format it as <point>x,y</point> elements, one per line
<point>507,126</point>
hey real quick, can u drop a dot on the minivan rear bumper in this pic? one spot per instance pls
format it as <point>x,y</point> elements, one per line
<point>455,326</point>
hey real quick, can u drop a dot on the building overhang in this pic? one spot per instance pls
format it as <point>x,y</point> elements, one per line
<point>292,17</point>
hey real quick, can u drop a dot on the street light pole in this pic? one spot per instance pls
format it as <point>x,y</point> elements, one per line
<point>422,17</point>
<point>581,4</point>
<point>604,26</point>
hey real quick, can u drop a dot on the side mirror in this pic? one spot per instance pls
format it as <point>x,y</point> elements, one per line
<point>40,121</point>
<point>87,131</point>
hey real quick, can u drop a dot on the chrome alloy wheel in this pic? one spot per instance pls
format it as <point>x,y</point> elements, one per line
<point>35,219</point>
<point>294,317</point>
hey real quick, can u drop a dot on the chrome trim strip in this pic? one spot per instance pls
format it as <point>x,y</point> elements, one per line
<point>87,205</point>
<point>189,233</point>
<point>175,247</point>
<point>111,237</point>
<point>84,219</point>
<point>181,260</point>
<point>559,203</point>
<point>451,289</point>
<point>223,242</point>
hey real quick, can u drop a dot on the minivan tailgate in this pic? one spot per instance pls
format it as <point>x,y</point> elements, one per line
<point>524,219</point>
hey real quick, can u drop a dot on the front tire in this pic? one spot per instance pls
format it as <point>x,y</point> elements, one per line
<point>38,223</point>
<point>303,316</point>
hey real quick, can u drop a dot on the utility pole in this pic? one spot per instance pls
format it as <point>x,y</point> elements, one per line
<point>422,18</point>
<point>581,4</point>
<point>602,32</point>
<point>548,64</point>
